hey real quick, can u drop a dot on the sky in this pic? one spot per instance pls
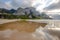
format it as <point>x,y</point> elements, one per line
<point>40,5</point>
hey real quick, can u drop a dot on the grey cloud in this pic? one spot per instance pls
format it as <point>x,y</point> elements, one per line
<point>53,6</point>
<point>21,3</point>
<point>16,3</point>
<point>2,5</point>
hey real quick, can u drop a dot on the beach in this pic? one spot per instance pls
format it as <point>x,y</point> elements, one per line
<point>17,29</point>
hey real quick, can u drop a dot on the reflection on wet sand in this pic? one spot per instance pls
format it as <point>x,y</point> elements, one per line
<point>27,26</point>
<point>39,34</point>
<point>28,31</point>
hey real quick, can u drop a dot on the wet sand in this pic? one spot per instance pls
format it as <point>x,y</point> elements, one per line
<point>27,30</point>
<point>27,26</point>
<point>19,30</point>
<point>44,34</point>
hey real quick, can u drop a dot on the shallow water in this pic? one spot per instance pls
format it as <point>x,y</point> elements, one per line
<point>39,34</point>
<point>50,32</point>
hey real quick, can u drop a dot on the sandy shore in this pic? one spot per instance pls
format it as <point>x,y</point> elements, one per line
<point>22,30</point>
<point>2,21</point>
<point>44,34</point>
<point>27,26</point>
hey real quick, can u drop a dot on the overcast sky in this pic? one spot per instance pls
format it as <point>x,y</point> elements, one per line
<point>40,5</point>
<point>14,3</point>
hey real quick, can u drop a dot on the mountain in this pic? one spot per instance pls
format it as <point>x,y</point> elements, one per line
<point>20,11</point>
<point>12,10</point>
<point>28,10</point>
<point>44,15</point>
<point>31,13</point>
<point>3,10</point>
<point>55,16</point>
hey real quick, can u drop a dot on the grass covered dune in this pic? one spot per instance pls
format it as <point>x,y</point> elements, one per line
<point>23,26</point>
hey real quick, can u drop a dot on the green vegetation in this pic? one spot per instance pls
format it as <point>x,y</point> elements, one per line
<point>11,16</point>
<point>29,14</point>
<point>26,16</point>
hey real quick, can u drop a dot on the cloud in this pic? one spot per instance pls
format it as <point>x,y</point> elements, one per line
<point>2,5</point>
<point>8,4</point>
<point>21,3</point>
<point>53,6</point>
<point>15,3</point>
<point>39,4</point>
<point>5,4</point>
